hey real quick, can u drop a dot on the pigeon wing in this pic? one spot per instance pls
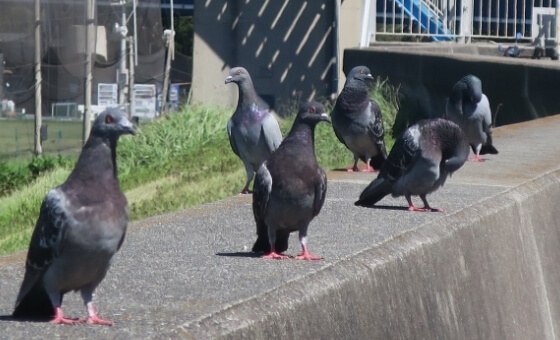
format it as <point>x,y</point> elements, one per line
<point>403,155</point>
<point>46,241</point>
<point>261,193</point>
<point>376,129</point>
<point>232,138</point>
<point>320,192</point>
<point>271,132</point>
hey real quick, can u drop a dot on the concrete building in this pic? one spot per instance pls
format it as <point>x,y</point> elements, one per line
<point>290,48</point>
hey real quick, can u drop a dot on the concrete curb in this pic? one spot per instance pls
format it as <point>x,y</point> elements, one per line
<point>481,275</point>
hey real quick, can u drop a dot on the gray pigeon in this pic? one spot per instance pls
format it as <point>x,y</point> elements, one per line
<point>357,122</point>
<point>419,163</point>
<point>253,131</point>
<point>469,108</point>
<point>81,225</point>
<point>290,188</point>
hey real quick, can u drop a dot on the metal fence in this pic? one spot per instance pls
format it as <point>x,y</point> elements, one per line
<point>533,21</point>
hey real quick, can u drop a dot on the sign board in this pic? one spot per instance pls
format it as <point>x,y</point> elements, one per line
<point>145,101</point>
<point>107,95</point>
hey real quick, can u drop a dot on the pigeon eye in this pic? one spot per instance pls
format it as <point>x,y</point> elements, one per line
<point>109,119</point>
<point>311,110</point>
<point>238,72</point>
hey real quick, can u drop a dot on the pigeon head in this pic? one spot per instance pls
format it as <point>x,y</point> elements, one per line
<point>359,73</point>
<point>112,123</point>
<point>312,113</point>
<point>237,75</point>
<point>473,88</point>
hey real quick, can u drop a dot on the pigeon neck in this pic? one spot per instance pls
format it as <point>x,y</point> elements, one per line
<point>304,135</point>
<point>352,97</point>
<point>98,159</point>
<point>247,93</point>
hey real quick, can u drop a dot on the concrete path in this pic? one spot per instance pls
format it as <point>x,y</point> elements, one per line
<point>184,274</point>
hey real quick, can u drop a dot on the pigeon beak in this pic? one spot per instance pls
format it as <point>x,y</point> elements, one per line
<point>127,126</point>
<point>369,76</point>
<point>229,79</point>
<point>325,117</point>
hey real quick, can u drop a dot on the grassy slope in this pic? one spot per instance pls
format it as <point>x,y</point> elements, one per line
<point>180,161</point>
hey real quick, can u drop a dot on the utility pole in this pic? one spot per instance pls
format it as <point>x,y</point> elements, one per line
<point>169,36</point>
<point>90,10</point>
<point>131,64</point>
<point>121,79</point>
<point>38,80</point>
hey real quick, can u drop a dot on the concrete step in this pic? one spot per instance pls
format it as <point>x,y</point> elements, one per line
<point>487,268</point>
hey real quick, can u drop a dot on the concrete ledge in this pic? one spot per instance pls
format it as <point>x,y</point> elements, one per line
<point>486,272</point>
<point>485,269</point>
<point>518,89</point>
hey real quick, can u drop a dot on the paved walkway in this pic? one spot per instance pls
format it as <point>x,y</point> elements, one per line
<point>182,268</point>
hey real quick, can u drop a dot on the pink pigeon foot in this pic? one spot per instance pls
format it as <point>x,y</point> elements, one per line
<point>414,208</point>
<point>59,319</point>
<point>95,320</point>
<point>306,256</point>
<point>476,158</point>
<point>368,169</point>
<point>275,256</point>
<point>353,169</point>
<point>245,192</point>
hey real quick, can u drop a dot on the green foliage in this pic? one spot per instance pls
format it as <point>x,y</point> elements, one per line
<point>16,174</point>
<point>178,161</point>
<point>184,36</point>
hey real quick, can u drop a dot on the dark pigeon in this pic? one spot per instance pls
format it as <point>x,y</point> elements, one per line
<point>357,122</point>
<point>81,225</point>
<point>419,163</point>
<point>253,131</point>
<point>290,188</point>
<point>469,108</point>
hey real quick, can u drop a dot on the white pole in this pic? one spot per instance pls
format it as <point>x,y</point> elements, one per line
<point>90,10</point>
<point>38,80</point>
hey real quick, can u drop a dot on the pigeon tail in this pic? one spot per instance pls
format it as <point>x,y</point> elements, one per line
<point>488,149</point>
<point>374,192</point>
<point>35,304</point>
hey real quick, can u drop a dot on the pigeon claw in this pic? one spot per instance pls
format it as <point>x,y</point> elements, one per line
<point>275,256</point>
<point>95,320</point>
<point>476,158</point>
<point>59,319</point>
<point>308,257</point>
<point>425,209</point>
<point>66,321</point>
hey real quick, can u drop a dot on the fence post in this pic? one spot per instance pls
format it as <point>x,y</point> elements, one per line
<point>466,21</point>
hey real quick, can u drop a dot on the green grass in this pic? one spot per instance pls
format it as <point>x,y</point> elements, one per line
<point>176,162</point>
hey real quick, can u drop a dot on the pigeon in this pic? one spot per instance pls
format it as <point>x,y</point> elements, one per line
<point>81,225</point>
<point>419,163</point>
<point>290,188</point>
<point>254,133</point>
<point>357,122</point>
<point>469,108</point>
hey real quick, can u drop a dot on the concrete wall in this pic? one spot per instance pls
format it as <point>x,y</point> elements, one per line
<point>287,47</point>
<point>458,280</point>
<point>523,89</point>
